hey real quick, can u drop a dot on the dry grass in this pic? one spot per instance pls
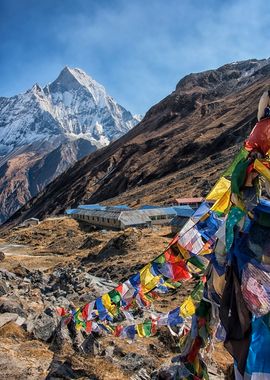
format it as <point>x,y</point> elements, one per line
<point>142,246</point>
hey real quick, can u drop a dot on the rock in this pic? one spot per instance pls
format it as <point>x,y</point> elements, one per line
<point>6,275</point>
<point>169,341</point>
<point>99,285</point>
<point>26,280</point>
<point>21,271</point>
<point>118,352</point>
<point>59,370</point>
<point>109,350</point>
<point>142,374</point>
<point>2,256</point>
<point>37,278</point>
<point>20,321</point>
<point>90,243</point>
<point>71,233</point>
<point>133,362</point>
<point>91,345</point>
<point>7,317</point>
<point>60,293</point>
<point>30,324</point>
<point>60,339</point>
<point>44,327</point>
<point>11,306</point>
<point>176,371</point>
<point>3,288</point>
<point>49,311</point>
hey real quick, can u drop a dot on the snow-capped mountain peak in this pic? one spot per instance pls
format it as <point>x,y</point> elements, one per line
<point>73,106</point>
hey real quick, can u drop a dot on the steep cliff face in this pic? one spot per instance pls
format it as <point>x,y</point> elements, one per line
<point>180,147</point>
<point>46,130</point>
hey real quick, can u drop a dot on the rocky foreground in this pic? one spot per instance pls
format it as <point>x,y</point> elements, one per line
<point>61,263</point>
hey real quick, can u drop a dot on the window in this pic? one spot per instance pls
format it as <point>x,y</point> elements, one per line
<point>98,218</point>
<point>103,220</point>
<point>108,220</point>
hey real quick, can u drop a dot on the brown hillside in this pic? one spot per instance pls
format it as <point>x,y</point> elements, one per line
<point>180,148</point>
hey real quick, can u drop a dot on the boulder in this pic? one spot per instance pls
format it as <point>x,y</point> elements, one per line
<point>8,305</point>
<point>44,327</point>
<point>6,275</point>
<point>7,317</point>
<point>64,370</point>
<point>91,345</point>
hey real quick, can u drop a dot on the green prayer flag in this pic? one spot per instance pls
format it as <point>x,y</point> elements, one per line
<point>197,292</point>
<point>242,155</point>
<point>239,175</point>
<point>147,327</point>
<point>195,261</point>
<point>160,260</point>
<point>115,296</point>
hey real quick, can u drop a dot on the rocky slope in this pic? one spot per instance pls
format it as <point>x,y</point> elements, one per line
<point>60,263</point>
<point>180,148</point>
<point>46,130</point>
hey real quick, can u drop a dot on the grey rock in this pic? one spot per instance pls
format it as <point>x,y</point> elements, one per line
<point>3,288</point>
<point>64,370</point>
<point>37,278</point>
<point>27,280</point>
<point>11,306</point>
<point>134,362</point>
<point>44,327</point>
<point>60,337</point>
<point>6,275</point>
<point>30,324</point>
<point>7,317</point>
<point>91,345</point>
<point>20,321</point>
<point>142,374</point>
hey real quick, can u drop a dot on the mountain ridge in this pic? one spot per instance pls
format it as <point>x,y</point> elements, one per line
<point>180,148</point>
<point>73,112</point>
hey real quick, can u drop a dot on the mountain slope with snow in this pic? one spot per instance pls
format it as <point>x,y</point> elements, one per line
<point>73,106</point>
<point>179,149</point>
<point>72,114</point>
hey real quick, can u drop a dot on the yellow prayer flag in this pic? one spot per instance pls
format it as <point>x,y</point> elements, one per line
<point>140,330</point>
<point>219,189</point>
<point>187,309</point>
<point>262,169</point>
<point>148,280</point>
<point>223,203</point>
<point>184,252</point>
<point>106,300</point>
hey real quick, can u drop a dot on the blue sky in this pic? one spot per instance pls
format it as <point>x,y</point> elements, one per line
<point>138,49</point>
